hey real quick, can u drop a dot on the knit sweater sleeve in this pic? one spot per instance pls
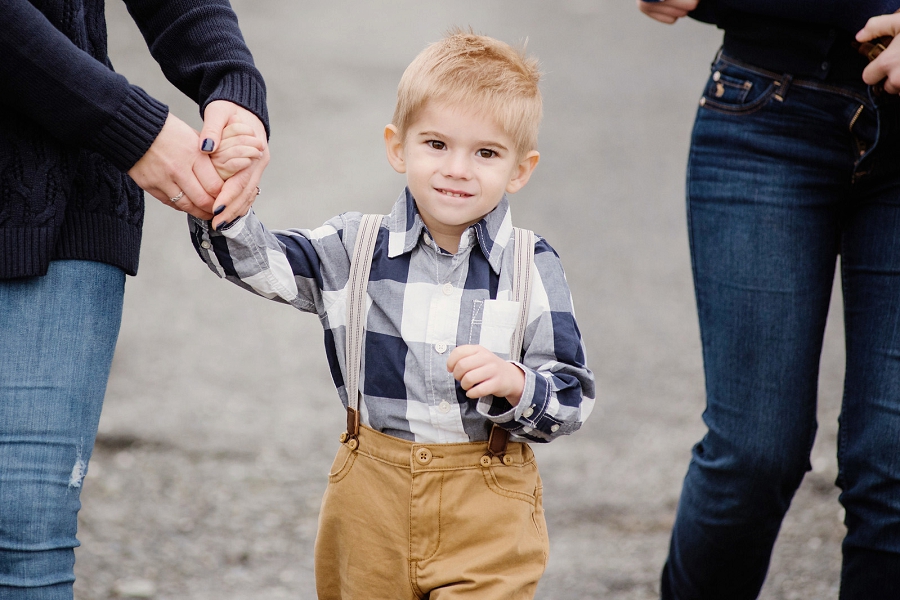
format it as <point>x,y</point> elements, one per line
<point>50,81</point>
<point>199,46</point>
<point>46,79</point>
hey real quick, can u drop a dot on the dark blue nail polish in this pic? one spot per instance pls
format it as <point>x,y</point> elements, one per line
<point>219,210</point>
<point>208,145</point>
<point>222,225</point>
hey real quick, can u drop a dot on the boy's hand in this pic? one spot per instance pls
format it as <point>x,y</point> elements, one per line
<point>483,373</point>
<point>667,11</point>
<point>239,192</point>
<point>887,66</point>
<point>237,150</point>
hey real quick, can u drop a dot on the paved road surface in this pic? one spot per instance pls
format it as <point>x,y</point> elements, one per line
<point>220,420</point>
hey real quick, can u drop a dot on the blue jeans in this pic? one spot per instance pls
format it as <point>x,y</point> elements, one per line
<point>57,336</point>
<point>784,176</point>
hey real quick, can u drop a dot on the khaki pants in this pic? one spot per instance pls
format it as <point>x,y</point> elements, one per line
<point>411,521</point>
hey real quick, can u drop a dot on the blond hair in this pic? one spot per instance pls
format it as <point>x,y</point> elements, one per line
<point>469,69</point>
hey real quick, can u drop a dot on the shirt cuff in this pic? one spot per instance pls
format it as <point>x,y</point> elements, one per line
<point>530,416</point>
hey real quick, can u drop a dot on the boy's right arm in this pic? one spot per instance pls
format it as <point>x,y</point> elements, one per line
<point>297,267</point>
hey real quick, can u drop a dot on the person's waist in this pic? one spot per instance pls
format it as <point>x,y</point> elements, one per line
<point>804,51</point>
<point>427,457</point>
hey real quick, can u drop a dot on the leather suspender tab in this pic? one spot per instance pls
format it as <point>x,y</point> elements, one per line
<point>498,441</point>
<point>352,423</point>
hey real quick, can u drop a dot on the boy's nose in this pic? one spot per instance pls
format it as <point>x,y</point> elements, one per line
<point>457,166</point>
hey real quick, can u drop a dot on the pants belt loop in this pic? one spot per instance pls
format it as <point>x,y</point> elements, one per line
<point>783,85</point>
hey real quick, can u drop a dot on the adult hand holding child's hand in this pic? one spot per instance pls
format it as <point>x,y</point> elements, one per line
<point>241,187</point>
<point>235,160</point>
<point>483,373</point>
<point>178,172</point>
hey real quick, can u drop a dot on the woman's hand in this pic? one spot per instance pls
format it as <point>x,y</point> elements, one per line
<point>667,11</point>
<point>238,192</point>
<point>887,66</point>
<point>174,164</point>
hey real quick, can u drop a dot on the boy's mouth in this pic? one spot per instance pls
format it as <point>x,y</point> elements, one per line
<point>453,193</point>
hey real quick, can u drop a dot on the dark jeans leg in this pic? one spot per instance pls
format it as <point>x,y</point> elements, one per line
<point>767,181</point>
<point>869,438</point>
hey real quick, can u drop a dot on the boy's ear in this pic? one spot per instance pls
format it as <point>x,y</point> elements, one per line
<point>393,144</point>
<point>523,172</point>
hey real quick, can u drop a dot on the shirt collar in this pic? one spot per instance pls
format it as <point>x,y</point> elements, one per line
<point>405,227</point>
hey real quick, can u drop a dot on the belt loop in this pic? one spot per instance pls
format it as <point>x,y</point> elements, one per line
<point>783,85</point>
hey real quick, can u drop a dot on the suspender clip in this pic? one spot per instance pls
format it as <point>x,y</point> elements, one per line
<point>352,425</point>
<point>498,441</point>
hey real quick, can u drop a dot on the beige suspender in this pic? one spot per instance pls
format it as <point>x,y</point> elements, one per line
<point>521,292</point>
<point>521,286</point>
<point>360,267</point>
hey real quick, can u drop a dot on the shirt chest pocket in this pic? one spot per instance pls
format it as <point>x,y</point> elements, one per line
<point>493,324</point>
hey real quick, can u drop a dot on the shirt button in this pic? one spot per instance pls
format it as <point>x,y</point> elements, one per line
<point>554,429</point>
<point>448,289</point>
<point>427,238</point>
<point>444,406</point>
<point>825,65</point>
<point>528,412</point>
<point>440,347</point>
<point>205,245</point>
<point>423,456</point>
<point>717,76</point>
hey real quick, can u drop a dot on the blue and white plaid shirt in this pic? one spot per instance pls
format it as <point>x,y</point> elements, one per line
<point>422,302</point>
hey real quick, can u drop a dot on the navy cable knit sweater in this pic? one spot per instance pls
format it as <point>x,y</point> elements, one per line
<point>70,127</point>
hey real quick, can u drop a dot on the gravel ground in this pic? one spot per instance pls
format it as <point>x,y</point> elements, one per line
<point>221,421</point>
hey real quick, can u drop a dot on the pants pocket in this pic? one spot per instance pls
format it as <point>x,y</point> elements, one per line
<point>517,482</point>
<point>342,464</point>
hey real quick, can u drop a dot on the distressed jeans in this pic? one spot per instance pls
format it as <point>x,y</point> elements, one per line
<point>57,336</point>
<point>784,177</point>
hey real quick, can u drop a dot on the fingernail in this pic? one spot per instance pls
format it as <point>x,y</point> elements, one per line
<point>207,145</point>
<point>219,210</point>
<point>222,225</point>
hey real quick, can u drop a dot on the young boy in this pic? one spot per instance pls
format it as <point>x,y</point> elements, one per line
<point>418,504</point>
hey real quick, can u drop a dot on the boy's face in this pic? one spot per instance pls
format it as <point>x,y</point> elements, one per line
<point>458,164</point>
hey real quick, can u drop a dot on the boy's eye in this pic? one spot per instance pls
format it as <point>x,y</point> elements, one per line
<point>485,153</point>
<point>436,144</point>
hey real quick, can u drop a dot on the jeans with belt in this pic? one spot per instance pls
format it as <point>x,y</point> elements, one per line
<point>57,336</point>
<point>784,176</point>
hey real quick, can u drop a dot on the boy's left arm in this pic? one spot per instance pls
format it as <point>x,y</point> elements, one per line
<point>557,394</point>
